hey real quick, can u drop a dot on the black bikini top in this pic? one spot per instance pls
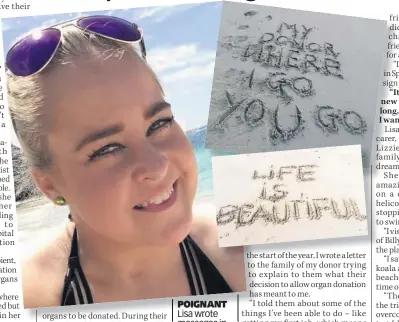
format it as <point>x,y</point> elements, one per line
<point>203,277</point>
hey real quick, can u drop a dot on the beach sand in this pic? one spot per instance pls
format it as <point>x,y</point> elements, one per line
<point>265,87</point>
<point>258,207</point>
<point>40,221</point>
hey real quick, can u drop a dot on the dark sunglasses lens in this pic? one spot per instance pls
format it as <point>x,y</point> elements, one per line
<point>111,27</point>
<point>33,52</point>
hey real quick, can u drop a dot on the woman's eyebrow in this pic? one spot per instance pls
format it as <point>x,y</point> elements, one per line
<point>155,109</point>
<point>100,134</point>
<point>117,128</point>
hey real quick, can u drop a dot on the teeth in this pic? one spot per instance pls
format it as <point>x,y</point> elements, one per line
<point>158,199</point>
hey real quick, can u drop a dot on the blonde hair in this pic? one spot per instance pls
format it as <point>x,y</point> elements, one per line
<point>25,96</point>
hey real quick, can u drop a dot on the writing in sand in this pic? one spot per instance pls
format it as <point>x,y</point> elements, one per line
<point>284,79</point>
<point>276,207</point>
<point>290,195</point>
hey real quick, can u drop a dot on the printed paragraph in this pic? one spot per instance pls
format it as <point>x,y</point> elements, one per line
<point>14,5</point>
<point>9,299</point>
<point>386,285</point>
<point>283,284</point>
<point>95,316</point>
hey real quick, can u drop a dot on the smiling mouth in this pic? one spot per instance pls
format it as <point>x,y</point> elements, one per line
<point>160,202</point>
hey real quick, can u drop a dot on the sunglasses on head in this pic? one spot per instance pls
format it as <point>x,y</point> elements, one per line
<point>32,53</point>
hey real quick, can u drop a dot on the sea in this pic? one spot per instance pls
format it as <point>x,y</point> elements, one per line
<point>204,161</point>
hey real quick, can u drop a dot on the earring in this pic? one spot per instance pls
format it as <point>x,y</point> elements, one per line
<point>60,201</point>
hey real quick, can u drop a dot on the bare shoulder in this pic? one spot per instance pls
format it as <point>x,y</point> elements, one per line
<point>43,273</point>
<point>228,260</point>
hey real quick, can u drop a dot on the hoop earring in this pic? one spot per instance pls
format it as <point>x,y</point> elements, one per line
<point>60,201</point>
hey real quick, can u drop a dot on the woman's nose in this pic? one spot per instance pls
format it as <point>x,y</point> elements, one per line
<point>150,166</point>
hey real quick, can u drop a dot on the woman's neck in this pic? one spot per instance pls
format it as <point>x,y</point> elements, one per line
<point>101,257</point>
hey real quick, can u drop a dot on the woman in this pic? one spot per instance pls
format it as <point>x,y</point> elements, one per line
<point>91,119</point>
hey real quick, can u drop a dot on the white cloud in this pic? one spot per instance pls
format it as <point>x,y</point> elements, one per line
<point>166,58</point>
<point>197,72</point>
<point>110,13</point>
<point>50,23</point>
<point>76,15</point>
<point>181,123</point>
<point>5,26</point>
<point>183,62</point>
<point>55,21</point>
<point>147,12</point>
<point>159,14</point>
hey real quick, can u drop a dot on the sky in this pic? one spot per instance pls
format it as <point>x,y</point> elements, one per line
<point>181,45</point>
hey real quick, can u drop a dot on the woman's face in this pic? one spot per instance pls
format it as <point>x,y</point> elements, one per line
<point>122,163</point>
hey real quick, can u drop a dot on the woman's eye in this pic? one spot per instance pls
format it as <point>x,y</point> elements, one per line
<point>160,124</point>
<point>106,150</point>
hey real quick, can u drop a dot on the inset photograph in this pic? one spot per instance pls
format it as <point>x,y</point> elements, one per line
<point>112,179</point>
<point>288,79</point>
<point>286,196</point>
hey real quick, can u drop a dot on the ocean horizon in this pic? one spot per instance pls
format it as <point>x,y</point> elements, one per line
<point>203,156</point>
